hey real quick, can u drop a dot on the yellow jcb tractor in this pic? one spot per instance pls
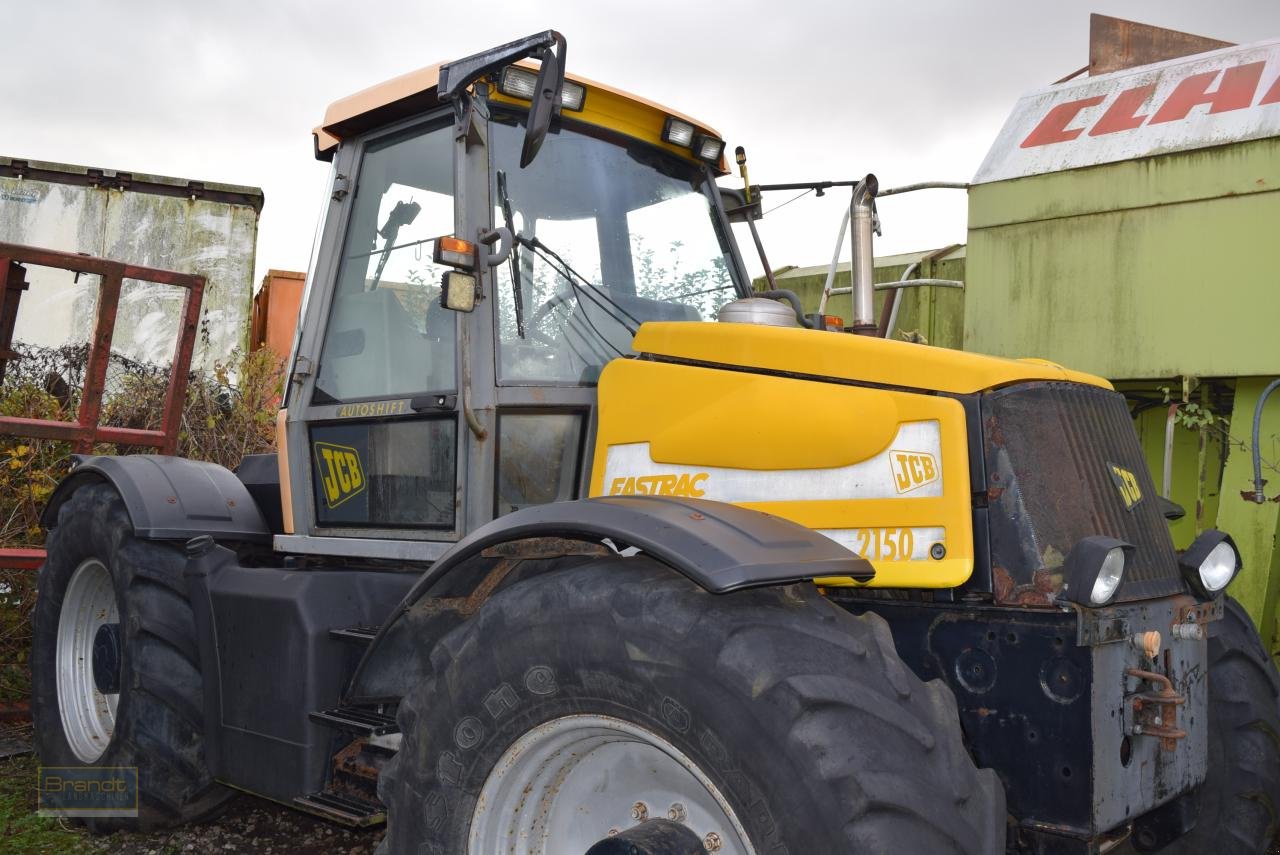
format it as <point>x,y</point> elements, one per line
<point>574,544</point>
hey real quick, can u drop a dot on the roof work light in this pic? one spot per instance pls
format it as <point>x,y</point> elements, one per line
<point>708,148</point>
<point>677,132</point>
<point>522,83</point>
<point>704,146</point>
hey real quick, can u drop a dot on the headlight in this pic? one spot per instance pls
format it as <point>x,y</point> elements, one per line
<point>1094,570</point>
<point>1104,587</point>
<point>1210,563</point>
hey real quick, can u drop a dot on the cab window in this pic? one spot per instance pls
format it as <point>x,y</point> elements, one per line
<point>387,334</point>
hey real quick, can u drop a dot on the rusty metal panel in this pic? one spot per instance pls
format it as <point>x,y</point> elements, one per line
<point>150,221</point>
<point>1206,100</point>
<point>1116,44</point>
<point>13,282</point>
<point>86,431</point>
<point>1063,721</point>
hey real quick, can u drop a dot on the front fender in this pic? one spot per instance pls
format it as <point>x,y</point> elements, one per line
<point>719,546</point>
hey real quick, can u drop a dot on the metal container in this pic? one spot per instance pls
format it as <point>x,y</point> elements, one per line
<point>195,227</point>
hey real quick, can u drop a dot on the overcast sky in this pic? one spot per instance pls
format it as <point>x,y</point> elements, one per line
<point>229,90</point>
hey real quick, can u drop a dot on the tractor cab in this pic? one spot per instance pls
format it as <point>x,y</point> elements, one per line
<point>555,264</point>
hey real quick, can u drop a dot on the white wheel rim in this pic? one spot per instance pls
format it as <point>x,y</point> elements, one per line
<point>565,785</point>
<point>88,716</point>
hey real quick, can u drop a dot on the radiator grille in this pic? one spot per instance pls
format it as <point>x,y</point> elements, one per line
<point>1052,451</point>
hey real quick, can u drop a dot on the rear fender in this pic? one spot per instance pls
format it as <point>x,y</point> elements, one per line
<point>169,498</point>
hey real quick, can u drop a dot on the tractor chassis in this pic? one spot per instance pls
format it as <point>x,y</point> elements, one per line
<point>1074,716</point>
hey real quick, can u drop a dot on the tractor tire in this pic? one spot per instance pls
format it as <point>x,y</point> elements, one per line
<point>576,704</point>
<point>152,661</point>
<point>1240,798</point>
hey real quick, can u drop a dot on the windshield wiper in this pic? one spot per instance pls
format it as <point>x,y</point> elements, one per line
<point>517,292</point>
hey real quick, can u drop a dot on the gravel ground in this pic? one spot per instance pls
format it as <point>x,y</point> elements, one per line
<point>250,825</point>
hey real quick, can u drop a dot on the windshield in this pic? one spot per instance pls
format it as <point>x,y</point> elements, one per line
<point>612,236</point>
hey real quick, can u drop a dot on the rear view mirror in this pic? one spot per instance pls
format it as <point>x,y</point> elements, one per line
<point>546,101</point>
<point>456,76</point>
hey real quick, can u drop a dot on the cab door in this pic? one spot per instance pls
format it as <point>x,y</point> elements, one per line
<point>375,430</point>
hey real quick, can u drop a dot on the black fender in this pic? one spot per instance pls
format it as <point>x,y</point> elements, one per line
<point>169,498</point>
<point>719,546</point>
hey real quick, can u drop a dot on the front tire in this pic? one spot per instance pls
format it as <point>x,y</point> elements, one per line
<point>1240,798</point>
<point>578,702</point>
<point>115,663</point>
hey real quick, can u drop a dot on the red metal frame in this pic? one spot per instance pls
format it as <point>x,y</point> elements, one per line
<point>85,431</point>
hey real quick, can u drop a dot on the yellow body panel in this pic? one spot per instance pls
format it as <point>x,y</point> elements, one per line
<point>829,457</point>
<point>851,423</point>
<point>846,357</point>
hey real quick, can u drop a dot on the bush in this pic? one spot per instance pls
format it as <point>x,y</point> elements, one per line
<point>227,414</point>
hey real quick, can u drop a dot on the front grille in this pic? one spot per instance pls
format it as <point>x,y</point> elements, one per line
<point>1050,453</point>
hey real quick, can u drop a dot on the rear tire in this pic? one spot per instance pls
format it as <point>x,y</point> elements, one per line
<point>157,722</point>
<point>1240,797</point>
<point>798,713</point>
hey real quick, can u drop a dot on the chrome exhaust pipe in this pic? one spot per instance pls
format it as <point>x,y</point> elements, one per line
<point>863,214</point>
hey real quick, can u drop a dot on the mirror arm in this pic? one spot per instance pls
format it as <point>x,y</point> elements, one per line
<point>456,76</point>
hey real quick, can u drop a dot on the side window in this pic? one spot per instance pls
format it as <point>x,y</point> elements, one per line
<point>387,334</point>
<point>385,473</point>
<point>538,459</point>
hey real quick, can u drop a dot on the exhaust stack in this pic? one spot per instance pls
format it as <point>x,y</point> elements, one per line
<point>863,212</point>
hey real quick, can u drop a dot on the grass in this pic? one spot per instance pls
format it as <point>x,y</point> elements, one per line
<point>21,831</point>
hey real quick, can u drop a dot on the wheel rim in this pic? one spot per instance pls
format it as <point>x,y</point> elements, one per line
<point>88,714</point>
<point>565,785</point>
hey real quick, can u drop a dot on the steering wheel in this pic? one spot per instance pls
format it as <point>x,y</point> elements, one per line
<point>563,294</point>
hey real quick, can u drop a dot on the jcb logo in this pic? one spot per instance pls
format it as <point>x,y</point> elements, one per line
<point>340,474</point>
<point>912,469</point>
<point>1127,483</point>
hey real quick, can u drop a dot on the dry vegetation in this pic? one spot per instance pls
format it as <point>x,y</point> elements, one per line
<point>229,412</point>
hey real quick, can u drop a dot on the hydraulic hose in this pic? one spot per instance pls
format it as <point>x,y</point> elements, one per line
<point>790,297</point>
<point>1257,438</point>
